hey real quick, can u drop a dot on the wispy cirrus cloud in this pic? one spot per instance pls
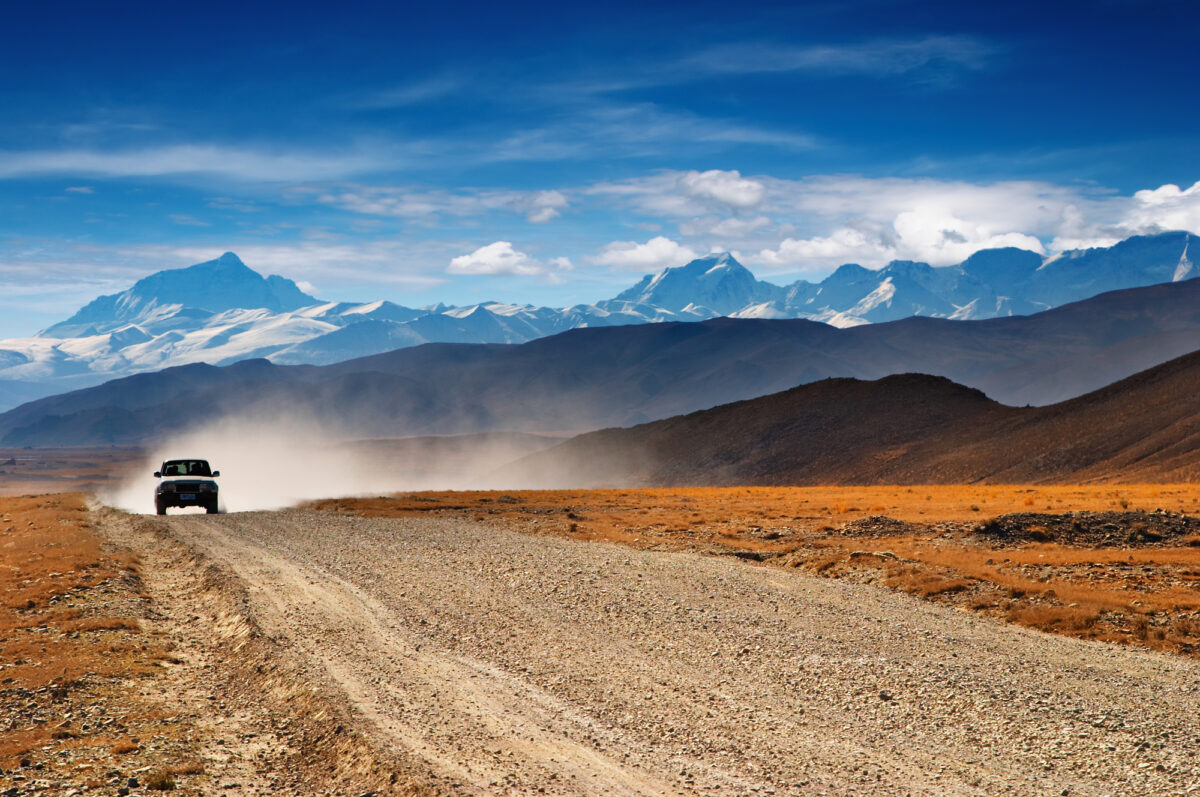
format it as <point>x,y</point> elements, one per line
<point>878,57</point>
<point>635,130</point>
<point>408,94</point>
<point>229,162</point>
<point>187,220</point>
<point>927,59</point>
<point>538,206</point>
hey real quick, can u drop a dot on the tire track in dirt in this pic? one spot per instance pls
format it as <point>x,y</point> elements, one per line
<point>424,689</point>
<point>513,663</point>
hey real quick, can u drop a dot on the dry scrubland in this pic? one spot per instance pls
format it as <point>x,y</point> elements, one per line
<point>1126,570</point>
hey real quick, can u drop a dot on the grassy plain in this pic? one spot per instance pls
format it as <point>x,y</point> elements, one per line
<point>1137,586</point>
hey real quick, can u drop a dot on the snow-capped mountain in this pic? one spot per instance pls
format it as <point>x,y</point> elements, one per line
<point>711,286</point>
<point>183,297</point>
<point>222,311</point>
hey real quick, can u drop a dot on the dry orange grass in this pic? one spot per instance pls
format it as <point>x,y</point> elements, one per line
<point>1142,595</point>
<point>55,646</point>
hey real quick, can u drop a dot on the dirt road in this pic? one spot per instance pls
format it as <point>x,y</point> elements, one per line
<point>499,662</point>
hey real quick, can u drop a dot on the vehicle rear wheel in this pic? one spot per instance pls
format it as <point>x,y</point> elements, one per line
<point>211,508</point>
<point>160,508</point>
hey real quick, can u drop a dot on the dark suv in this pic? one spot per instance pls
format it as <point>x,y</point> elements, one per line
<point>186,482</point>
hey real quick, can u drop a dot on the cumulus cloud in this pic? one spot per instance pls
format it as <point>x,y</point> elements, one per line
<point>500,258</point>
<point>942,222</point>
<point>728,188</point>
<point>1165,208</point>
<point>844,245</point>
<point>657,253</point>
<point>1148,211</point>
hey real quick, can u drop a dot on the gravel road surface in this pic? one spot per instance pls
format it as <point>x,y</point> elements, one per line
<point>525,664</point>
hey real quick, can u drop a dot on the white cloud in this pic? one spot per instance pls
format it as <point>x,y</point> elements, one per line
<point>728,188</point>
<point>1165,208</point>
<point>80,189</point>
<point>545,206</point>
<point>657,253</point>
<point>495,259</point>
<point>842,246</point>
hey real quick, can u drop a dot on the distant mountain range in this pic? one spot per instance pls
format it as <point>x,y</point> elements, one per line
<point>586,379</point>
<point>905,429</point>
<point>221,312</point>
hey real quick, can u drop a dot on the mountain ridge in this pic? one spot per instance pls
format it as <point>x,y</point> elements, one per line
<point>201,313</point>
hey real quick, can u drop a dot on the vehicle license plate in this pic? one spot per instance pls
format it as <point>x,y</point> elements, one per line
<point>187,496</point>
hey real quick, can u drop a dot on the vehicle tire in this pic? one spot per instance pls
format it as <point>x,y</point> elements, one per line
<point>211,508</point>
<point>160,508</point>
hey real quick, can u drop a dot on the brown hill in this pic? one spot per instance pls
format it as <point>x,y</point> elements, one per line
<point>906,429</point>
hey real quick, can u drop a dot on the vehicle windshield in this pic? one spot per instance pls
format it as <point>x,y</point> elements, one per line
<point>186,467</point>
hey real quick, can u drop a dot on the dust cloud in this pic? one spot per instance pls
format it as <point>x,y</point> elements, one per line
<point>282,462</point>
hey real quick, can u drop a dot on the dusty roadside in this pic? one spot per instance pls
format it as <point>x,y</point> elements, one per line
<point>1118,563</point>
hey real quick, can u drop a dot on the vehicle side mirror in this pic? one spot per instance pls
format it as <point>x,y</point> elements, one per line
<point>216,473</point>
<point>157,475</point>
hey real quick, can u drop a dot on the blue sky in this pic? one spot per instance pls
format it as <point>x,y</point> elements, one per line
<point>552,153</point>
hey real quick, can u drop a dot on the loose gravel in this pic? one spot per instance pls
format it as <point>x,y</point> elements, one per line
<point>515,663</point>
